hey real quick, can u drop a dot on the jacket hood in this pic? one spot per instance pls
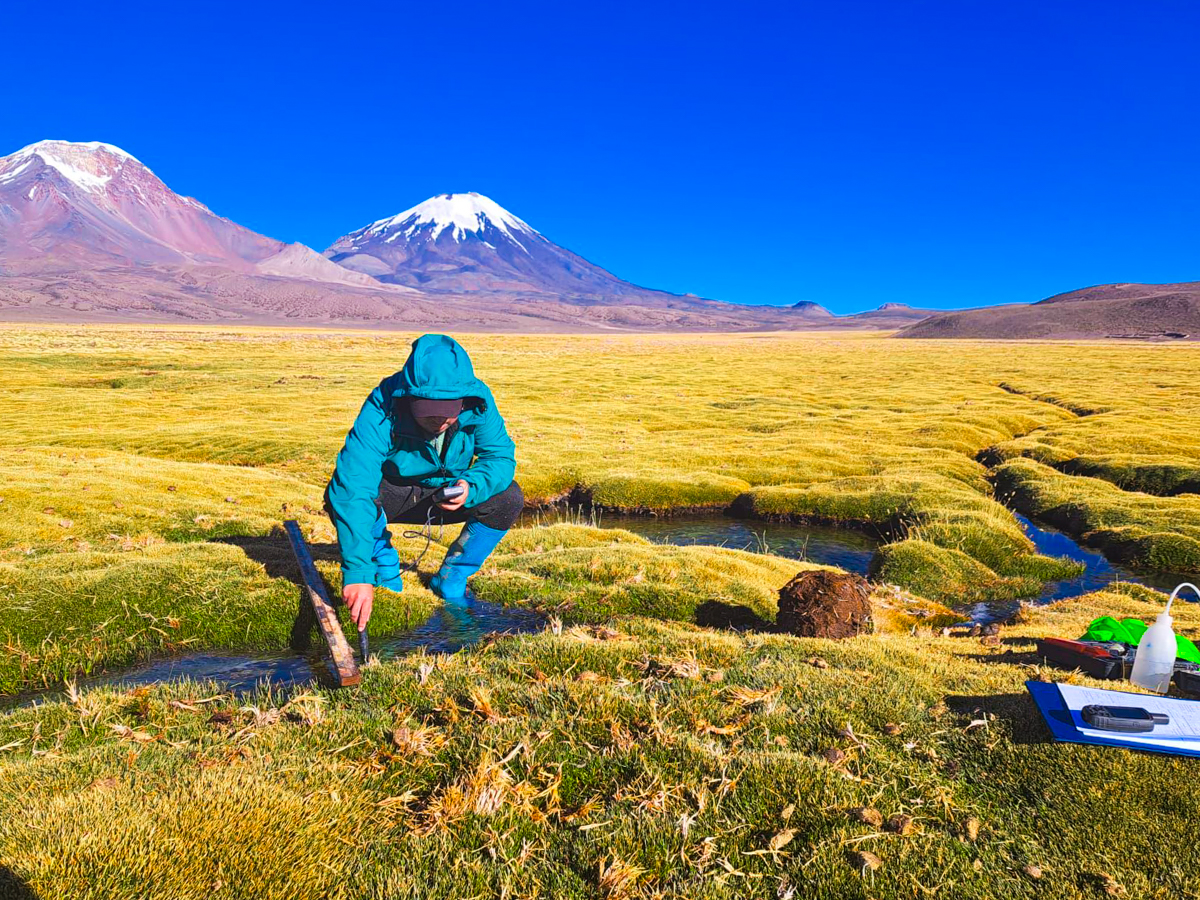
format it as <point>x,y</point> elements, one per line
<point>438,368</point>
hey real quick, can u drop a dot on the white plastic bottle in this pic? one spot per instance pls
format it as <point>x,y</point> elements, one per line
<point>1155,661</point>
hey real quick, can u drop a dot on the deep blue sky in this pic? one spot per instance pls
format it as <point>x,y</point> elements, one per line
<point>849,153</point>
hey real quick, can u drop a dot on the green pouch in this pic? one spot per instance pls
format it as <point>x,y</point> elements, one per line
<point>1135,628</point>
<point>1106,628</point>
<point>1129,631</point>
<point>1186,650</point>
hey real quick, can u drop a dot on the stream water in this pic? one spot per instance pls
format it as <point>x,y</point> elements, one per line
<point>842,547</point>
<point>1099,571</point>
<point>447,630</point>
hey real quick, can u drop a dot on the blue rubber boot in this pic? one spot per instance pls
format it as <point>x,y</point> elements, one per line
<point>387,561</point>
<point>474,545</point>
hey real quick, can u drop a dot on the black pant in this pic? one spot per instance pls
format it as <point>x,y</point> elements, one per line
<point>410,504</point>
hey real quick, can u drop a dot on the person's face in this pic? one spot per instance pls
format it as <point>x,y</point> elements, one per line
<point>435,424</point>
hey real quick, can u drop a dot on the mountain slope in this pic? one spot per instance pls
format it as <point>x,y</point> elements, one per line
<point>888,316</point>
<point>299,261</point>
<point>1141,311</point>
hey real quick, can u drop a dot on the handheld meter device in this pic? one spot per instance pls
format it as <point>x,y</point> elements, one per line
<point>449,492</point>
<point>1123,718</point>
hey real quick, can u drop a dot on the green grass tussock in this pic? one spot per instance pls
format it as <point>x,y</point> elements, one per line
<point>664,494</point>
<point>592,584</point>
<point>1150,452</point>
<point>564,536</point>
<point>935,571</point>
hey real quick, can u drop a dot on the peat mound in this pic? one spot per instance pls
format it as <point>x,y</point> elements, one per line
<point>824,604</point>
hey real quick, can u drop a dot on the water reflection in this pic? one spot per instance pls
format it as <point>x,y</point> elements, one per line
<point>449,629</point>
<point>841,547</point>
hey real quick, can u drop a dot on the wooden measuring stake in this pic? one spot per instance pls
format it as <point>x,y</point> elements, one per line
<point>345,668</point>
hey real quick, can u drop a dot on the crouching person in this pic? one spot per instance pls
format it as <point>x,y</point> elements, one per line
<point>431,425</point>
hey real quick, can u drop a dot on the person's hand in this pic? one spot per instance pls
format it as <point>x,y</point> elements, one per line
<point>457,502</point>
<point>360,598</point>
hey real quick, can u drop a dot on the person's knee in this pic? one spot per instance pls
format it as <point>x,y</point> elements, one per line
<point>514,498</point>
<point>514,501</point>
<point>502,510</point>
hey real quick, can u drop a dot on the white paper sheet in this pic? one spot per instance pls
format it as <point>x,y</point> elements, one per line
<point>1183,731</point>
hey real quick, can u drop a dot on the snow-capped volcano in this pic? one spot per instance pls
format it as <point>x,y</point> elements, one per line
<point>463,214</point>
<point>460,243</point>
<point>64,203</point>
<point>90,166</point>
<point>66,206</point>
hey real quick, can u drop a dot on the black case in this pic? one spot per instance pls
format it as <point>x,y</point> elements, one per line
<point>1188,681</point>
<point>1096,666</point>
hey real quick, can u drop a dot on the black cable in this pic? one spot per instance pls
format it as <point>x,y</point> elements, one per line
<point>427,533</point>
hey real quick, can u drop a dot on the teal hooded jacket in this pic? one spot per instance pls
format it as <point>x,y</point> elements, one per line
<point>386,442</point>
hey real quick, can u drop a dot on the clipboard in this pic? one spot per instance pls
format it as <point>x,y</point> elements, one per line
<point>1054,710</point>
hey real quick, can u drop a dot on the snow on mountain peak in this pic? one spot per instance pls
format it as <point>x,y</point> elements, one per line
<point>85,164</point>
<point>462,213</point>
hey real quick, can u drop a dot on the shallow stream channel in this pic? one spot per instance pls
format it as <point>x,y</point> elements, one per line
<point>448,630</point>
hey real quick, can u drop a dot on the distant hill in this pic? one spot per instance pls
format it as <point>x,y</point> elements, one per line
<point>890,316</point>
<point>811,310</point>
<point>1126,311</point>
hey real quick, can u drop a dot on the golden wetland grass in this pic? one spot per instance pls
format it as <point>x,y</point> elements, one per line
<point>626,752</point>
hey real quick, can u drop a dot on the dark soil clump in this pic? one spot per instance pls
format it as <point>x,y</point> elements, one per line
<point>824,604</point>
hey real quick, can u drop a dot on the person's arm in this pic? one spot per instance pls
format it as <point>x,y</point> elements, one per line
<point>495,458</point>
<point>355,485</point>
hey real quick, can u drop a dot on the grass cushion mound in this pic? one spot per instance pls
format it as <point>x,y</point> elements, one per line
<point>592,584</point>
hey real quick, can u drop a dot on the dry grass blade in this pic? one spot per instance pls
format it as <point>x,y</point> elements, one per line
<point>481,703</point>
<point>484,791</point>
<point>847,732</point>
<point>424,670</point>
<point>782,839</point>
<point>619,879</point>
<point>748,697</point>
<point>307,708</point>
<point>400,801</point>
<point>685,666</point>
<point>262,717</point>
<point>127,733</point>
<point>418,740</point>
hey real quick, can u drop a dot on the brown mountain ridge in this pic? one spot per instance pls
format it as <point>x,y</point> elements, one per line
<point>1114,311</point>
